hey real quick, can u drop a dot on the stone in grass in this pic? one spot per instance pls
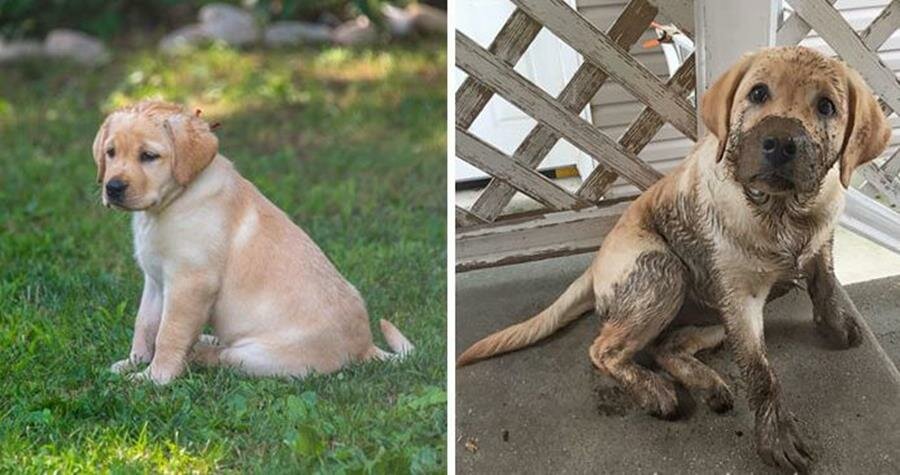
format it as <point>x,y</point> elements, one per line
<point>428,19</point>
<point>183,39</point>
<point>414,18</point>
<point>77,46</point>
<point>19,50</point>
<point>233,25</point>
<point>292,33</point>
<point>355,32</point>
<point>399,21</point>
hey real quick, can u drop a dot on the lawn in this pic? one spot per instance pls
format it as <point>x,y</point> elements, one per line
<point>349,142</point>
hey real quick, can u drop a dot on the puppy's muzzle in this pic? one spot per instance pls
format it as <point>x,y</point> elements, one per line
<point>115,190</point>
<point>774,150</point>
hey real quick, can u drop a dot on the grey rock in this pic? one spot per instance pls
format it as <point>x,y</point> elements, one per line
<point>230,24</point>
<point>355,32</point>
<point>76,46</point>
<point>428,19</point>
<point>183,39</point>
<point>292,33</point>
<point>400,21</point>
<point>17,50</point>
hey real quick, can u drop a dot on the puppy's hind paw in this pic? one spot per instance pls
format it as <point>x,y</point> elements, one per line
<point>208,340</point>
<point>660,400</point>
<point>719,399</point>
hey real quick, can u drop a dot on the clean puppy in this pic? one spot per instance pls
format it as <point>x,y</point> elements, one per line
<point>214,250</point>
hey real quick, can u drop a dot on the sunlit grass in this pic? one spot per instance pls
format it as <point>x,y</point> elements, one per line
<point>350,143</point>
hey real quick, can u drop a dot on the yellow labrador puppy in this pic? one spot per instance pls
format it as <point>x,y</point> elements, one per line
<point>214,250</point>
<point>750,210</point>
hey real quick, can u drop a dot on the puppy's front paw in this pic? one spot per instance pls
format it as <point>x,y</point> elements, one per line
<point>130,364</point>
<point>841,326</point>
<point>123,366</point>
<point>148,375</point>
<point>778,442</point>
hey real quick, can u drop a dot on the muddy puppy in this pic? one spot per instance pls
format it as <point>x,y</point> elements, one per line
<point>752,207</point>
<point>214,250</point>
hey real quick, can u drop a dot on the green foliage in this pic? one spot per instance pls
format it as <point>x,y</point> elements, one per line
<point>349,143</point>
<point>107,18</point>
<point>104,18</point>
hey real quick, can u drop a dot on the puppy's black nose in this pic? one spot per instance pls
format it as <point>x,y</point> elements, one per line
<point>779,150</point>
<point>115,189</point>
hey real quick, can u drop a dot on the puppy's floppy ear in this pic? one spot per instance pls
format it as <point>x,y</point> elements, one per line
<point>867,133</point>
<point>98,147</point>
<point>194,146</point>
<point>715,107</point>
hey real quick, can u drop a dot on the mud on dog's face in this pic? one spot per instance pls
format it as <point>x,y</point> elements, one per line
<point>148,151</point>
<point>786,116</point>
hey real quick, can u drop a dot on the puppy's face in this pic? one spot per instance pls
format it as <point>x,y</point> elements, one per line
<point>148,151</point>
<point>786,116</point>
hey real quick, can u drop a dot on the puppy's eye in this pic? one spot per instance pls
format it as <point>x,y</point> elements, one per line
<point>759,94</point>
<point>825,107</point>
<point>148,156</point>
<point>110,152</point>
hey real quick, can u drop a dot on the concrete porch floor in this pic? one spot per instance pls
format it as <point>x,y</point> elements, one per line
<point>545,409</point>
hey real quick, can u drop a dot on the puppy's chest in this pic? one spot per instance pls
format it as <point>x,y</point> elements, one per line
<point>771,255</point>
<point>147,247</point>
<point>166,245</point>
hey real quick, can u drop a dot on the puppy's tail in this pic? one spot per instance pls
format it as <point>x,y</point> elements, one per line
<point>575,301</point>
<point>399,344</point>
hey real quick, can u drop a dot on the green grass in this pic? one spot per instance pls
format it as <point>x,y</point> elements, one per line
<point>350,143</point>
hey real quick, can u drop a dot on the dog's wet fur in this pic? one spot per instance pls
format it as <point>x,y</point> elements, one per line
<point>749,213</point>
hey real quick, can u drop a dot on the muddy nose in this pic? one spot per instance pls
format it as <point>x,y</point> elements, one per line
<point>779,150</point>
<point>115,189</point>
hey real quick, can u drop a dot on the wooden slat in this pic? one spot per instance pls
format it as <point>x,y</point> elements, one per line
<point>505,81</point>
<point>597,48</point>
<point>871,219</point>
<point>639,134</point>
<point>556,234</point>
<point>828,22</point>
<point>891,166</point>
<point>577,94</point>
<point>495,163</point>
<point>882,27</point>
<point>878,32</point>
<point>886,185</point>
<point>464,218</point>
<point>794,30</point>
<point>509,45</point>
